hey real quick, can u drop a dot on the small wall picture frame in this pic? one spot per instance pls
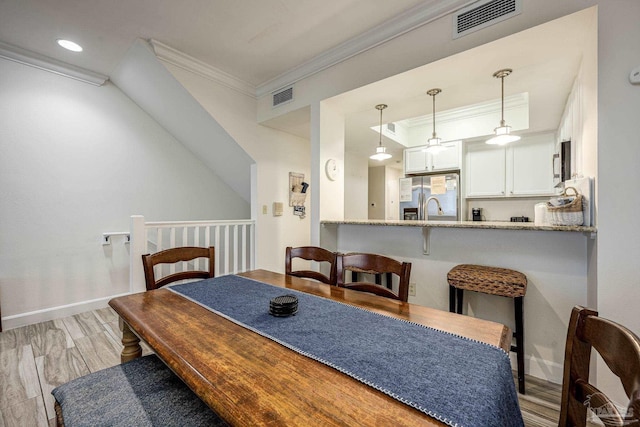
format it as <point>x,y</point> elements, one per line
<point>297,189</point>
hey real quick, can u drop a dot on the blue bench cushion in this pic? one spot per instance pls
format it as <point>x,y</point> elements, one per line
<point>142,392</point>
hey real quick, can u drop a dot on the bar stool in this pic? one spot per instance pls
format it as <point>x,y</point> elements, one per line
<point>494,281</point>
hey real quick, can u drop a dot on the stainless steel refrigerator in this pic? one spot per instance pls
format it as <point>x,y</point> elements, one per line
<point>415,192</point>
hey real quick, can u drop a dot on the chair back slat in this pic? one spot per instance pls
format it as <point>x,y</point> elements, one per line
<point>172,256</point>
<point>620,349</point>
<point>377,265</point>
<point>311,253</point>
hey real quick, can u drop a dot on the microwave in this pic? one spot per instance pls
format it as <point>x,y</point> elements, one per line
<point>562,163</point>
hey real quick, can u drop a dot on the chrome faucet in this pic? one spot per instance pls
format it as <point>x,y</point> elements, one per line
<point>426,207</point>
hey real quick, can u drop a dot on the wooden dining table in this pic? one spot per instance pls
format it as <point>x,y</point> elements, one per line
<point>250,380</point>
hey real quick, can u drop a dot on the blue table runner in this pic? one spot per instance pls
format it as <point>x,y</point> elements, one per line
<point>456,380</point>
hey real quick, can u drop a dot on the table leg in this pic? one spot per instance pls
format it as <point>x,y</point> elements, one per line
<point>131,342</point>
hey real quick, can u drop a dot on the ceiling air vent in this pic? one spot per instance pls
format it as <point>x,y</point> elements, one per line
<point>476,17</point>
<point>283,96</point>
<point>391,127</point>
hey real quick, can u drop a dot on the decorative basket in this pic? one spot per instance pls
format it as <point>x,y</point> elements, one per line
<point>567,214</point>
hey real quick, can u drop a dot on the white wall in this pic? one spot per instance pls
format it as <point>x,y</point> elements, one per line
<point>327,142</point>
<point>356,185</point>
<point>392,193</point>
<point>143,78</point>
<point>618,247</point>
<point>276,154</point>
<point>384,193</point>
<point>76,161</point>
<point>377,187</point>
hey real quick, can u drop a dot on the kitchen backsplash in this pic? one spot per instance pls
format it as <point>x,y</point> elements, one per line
<point>504,209</point>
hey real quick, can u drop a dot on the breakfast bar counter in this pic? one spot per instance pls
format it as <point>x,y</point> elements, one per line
<point>500,225</point>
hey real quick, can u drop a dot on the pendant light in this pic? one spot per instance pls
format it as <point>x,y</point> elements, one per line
<point>434,143</point>
<point>503,132</point>
<point>381,151</point>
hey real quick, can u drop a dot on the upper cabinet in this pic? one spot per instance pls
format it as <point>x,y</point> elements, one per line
<point>415,160</point>
<point>418,161</point>
<point>520,169</point>
<point>485,170</point>
<point>531,162</point>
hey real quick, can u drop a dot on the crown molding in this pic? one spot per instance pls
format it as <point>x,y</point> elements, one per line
<point>42,62</point>
<point>189,63</point>
<point>411,19</point>
<point>511,102</point>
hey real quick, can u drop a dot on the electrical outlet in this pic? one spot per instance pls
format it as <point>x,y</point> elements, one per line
<point>412,289</point>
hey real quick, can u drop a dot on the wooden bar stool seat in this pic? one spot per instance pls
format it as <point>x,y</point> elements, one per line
<point>493,281</point>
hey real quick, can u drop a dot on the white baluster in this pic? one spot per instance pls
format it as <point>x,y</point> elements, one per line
<point>243,248</point>
<point>219,270</point>
<point>226,249</point>
<point>138,248</point>
<point>236,253</point>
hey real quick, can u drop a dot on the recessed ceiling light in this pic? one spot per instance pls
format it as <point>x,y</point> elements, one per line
<point>69,45</point>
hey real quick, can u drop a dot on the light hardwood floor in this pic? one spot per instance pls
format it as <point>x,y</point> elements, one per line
<point>35,359</point>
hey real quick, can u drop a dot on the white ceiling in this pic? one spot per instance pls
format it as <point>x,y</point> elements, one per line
<point>545,61</point>
<point>253,40</point>
<point>258,41</point>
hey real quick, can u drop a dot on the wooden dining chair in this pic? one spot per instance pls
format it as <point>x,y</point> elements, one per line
<point>378,265</point>
<point>311,253</point>
<point>173,255</point>
<point>620,349</point>
<point>158,393</point>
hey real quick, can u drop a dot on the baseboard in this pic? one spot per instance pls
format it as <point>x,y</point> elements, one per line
<point>540,368</point>
<point>29,318</point>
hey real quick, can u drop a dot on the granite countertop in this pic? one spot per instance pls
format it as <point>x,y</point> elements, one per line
<point>500,225</point>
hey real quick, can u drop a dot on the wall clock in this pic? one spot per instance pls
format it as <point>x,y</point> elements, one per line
<point>331,169</point>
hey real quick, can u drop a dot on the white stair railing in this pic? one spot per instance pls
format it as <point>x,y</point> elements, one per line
<point>233,241</point>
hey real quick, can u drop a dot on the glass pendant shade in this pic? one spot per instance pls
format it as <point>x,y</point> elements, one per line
<point>381,151</point>
<point>503,136</point>
<point>434,144</point>
<point>503,132</point>
<point>381,154</point>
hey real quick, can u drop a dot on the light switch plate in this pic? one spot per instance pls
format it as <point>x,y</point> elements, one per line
<point>277,208</point>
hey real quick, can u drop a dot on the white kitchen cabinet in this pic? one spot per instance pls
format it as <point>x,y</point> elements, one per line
<point>486,165</point>
<point>530,166</point>
<point>415,160</point>
<point>447,159</point>
<point>520,169</point>
<point>418,161</point>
